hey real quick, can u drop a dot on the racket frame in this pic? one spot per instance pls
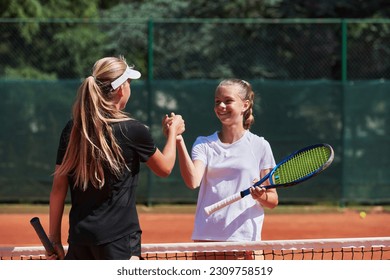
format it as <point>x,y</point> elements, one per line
<point>235,197</point>
<point>270,175</point>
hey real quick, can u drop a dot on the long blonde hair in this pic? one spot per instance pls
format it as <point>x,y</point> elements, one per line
<point>246,93</point>
<point>92,145</point>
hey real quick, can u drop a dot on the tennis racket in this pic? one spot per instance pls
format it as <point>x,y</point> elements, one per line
<point>36,223</point>
<point>294,169</point>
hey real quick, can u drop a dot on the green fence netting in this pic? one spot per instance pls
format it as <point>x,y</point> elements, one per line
<point>352,117</point>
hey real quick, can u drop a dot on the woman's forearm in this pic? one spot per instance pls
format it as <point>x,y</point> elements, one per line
<point>187,168</point>
<point>57,203</point>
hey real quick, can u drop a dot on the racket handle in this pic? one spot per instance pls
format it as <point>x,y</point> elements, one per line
<point>222,203</point>
<point>36,223</point>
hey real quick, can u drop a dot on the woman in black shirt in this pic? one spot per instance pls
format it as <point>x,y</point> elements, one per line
<point>99,159</point>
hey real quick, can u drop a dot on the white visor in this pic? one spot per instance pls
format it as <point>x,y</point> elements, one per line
<point>128,74</point>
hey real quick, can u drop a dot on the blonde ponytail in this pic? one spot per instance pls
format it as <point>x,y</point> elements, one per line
<point>92,144</point>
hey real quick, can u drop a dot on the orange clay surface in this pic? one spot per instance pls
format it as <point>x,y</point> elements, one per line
<point>163,227</point>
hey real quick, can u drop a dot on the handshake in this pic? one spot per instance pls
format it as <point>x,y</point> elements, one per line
<point>173,124</point>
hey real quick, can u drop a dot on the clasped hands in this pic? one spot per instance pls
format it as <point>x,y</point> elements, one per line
<point>173,122</point>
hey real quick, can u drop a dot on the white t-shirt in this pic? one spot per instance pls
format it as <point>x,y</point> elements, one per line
<point>230,168</point>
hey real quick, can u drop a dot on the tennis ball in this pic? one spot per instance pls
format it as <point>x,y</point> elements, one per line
<point>362,214</point>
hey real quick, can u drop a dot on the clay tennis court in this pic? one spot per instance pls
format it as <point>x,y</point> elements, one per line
<point>161,226</point>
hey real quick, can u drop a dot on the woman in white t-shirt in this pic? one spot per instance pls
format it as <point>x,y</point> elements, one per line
<point>226,162</point>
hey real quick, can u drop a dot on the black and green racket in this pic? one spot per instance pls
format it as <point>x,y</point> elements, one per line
<point>294,169</point>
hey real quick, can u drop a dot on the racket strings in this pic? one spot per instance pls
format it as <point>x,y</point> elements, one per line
<point>302,165</point>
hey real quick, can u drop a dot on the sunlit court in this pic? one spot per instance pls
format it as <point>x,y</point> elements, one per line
<point>195,139</point>
<point>167,225</point>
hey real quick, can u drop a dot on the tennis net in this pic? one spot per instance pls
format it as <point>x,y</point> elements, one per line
<point>371,248</point>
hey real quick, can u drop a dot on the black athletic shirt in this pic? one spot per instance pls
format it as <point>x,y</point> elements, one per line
<point>101,216</point>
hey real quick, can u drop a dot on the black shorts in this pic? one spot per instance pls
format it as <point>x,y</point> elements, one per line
<point>121,249</point>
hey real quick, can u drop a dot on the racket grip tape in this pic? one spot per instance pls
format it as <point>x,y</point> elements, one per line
<point>36,223</point>
<point>222,203</point>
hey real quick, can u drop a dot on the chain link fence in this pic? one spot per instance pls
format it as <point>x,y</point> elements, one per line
<point>315,81</point>
<point>199,49</point>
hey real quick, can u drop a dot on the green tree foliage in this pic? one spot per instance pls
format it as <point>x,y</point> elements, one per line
<point>64,48</point>
<point>182,50</point>
<point>373,53</point>
<point>61,39</point>
<point>331,9</point>
<point>132,38</point>
<point>34,47</point>
<point>228,9</point>
<point>22,9</point>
